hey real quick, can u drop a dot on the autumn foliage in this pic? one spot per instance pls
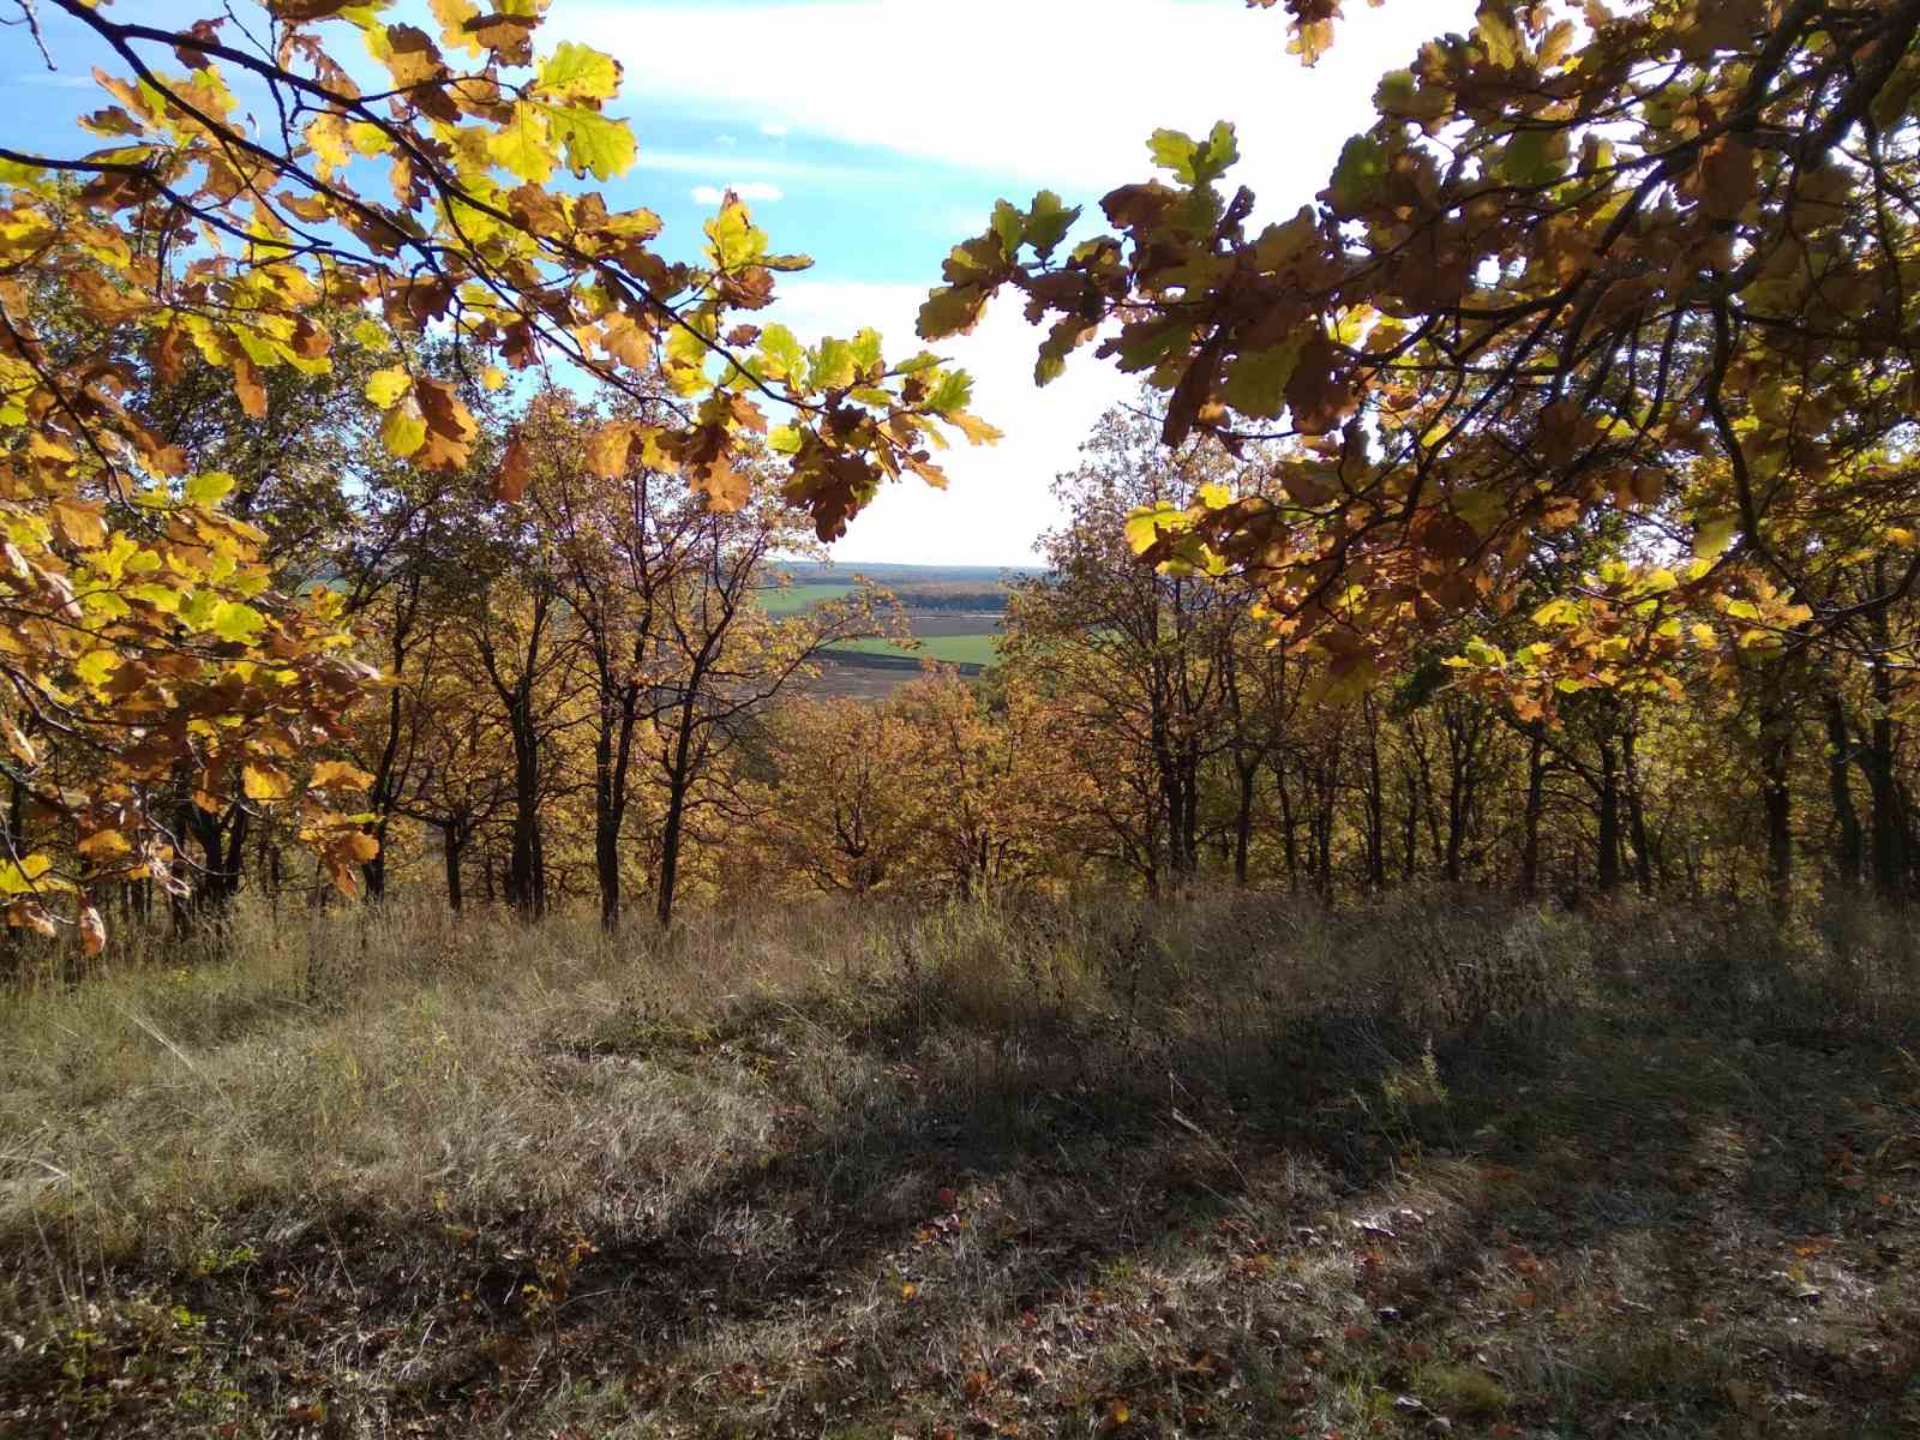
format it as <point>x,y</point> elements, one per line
<point>1644,270</point>
<point>374,490</point>
<point>143,631</point>
<point>1409,933</point>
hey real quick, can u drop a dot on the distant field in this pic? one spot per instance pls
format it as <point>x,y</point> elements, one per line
<point>933,624</point>
<point>890,575</point>
<point>974,649</point>
<point>967,637</point>
<point>932,598</point>
<point>802,595</point>
<point>855,677</point>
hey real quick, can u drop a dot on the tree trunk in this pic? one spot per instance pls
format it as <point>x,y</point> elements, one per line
<point>1776,760</point>
<point>1243,821</point>
<point>1637,815</point>
<point>606,867</point>
<point>1536,807</point>
<point>1456,824</point>
<point>1410,826</point>
<point>1326,804</point>
<point>14,834</point>
<point>1290,846</point>
<point>1849,845</point>
<point>524,881</point>
<point>380,797</point>
<point>1179,803</point>
<point>1187,835</point>
<point>678,780</point>
<point>385,790</point>
<point>1607,858</point>
<point>1374,795</point>
<point>451,843</point>
<point>233,863</point>
<point>612,760</point>
<point>1889,824</point>
<point>539,871</point>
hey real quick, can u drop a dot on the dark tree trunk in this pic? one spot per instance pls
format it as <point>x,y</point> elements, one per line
<point>1637,815</point>
<point>1456,826</point>
<point>221,838</point>
<point>1776,762</point>
<point>1186,835</point>
<point>233,864</point>
<point>380,798</point>
<point>679,778</point>
<point>1459,781</point>
<point>1607,857</point>
<point>452,842</point>
<point>1243,820</point>
<point>1323,850</point>
<point>539,870</point>
<point>525,883</point>
<point>612,760</point>
<point>15,838</point>
<point>1178,770</point>
<point>606,867</point>
<point>1326,804</point>
<point>1410,827</point>
<point>1374,795</point>
<point>1536,807</point>
<point>1290,846</point>
<point>384,793</point>
<point>1849,844</point>
<point>1889,823</point>
<point>523,886</point>
<point>373,873</point>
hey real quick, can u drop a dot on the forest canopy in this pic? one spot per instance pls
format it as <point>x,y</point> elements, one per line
<point>1572,417</point>
<point>1639,267</point>
<point>416,222</point>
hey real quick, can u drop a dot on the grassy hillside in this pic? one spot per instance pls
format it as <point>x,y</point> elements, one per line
<point>1229,1168</point>
<point>882,573</point>
<point>976,649</point>
<point>953,612</point>
<point>802,595</point>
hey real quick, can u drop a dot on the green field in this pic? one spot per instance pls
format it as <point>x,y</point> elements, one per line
<point>802,595</point>
<point>948,649</point>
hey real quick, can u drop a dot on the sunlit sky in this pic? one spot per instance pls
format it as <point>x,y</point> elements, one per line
<point>874,134</point>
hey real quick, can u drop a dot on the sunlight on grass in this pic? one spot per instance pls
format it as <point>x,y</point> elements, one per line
<point>1235,1166</point>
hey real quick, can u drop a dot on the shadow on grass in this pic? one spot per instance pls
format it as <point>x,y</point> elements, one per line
<point>1056,1221</point>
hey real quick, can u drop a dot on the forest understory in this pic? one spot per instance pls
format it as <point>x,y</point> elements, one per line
<point>1234,1166</point>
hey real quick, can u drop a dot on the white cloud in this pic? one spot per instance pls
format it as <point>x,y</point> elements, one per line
<point>999,498</point>
<point>680,162</point>
<point>1026,92</point>
<point>753,190</point>
<point>1062,93</point>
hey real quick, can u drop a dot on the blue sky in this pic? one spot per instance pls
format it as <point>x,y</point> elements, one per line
<point>874,134</point>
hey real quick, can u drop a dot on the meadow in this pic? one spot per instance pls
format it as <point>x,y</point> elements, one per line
<point>966,638</point>
<point>791,599</point>
<point>1235,1166</point>
<point>966,647</point>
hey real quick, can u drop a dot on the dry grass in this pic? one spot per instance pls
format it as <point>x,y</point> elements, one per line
<point>1230,1168</point>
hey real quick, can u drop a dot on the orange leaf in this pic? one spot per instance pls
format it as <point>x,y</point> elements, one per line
<point>510,480</point>
<point>250,388</point>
